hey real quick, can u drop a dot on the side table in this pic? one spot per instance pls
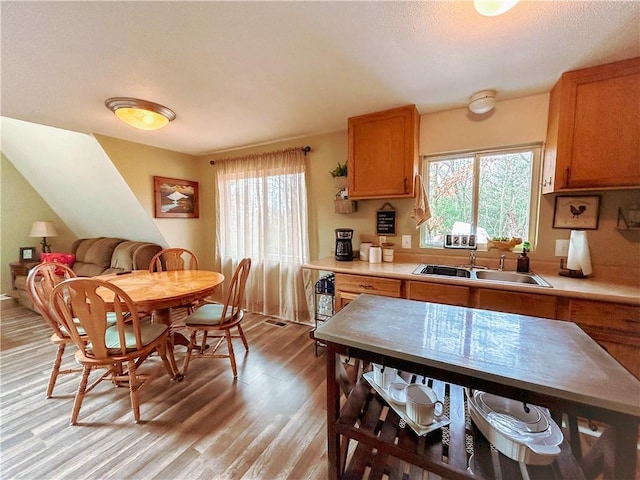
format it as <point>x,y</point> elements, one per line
<point>19,272</point>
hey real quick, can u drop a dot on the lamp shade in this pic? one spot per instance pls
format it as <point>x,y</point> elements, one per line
<point>140,114</point>
<point>482,102</point>
<point>43,229</point>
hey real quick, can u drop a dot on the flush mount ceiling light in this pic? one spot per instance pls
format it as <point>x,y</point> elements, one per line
<point>140,113</point>
<point>482,102</point>
<point>492,8</point>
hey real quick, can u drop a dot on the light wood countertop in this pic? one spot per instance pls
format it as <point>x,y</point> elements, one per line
<point>599,287</point>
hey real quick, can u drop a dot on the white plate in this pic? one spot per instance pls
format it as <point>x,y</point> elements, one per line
<point>397,393</point>
<point>438,422</point>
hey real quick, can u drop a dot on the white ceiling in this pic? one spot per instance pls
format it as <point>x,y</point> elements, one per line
<point>247,73</point>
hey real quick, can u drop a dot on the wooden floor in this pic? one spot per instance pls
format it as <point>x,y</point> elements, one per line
<point>269,424</point>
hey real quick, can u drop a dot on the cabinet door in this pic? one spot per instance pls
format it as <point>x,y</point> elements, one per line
<point>383,153</point>
<point>614,326</point>
<point>593,136</point>
<point>343,299</point>
<point>544,306</point>
<point>438,293</point>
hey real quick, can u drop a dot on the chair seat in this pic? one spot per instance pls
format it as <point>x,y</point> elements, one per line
<point>111,320</point>
<point>208,314</point>
<point>149,332</point>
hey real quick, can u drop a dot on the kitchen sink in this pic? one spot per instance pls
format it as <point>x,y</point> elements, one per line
<point>481,274</point>
<point>443,270</point>
<point>510,277</point>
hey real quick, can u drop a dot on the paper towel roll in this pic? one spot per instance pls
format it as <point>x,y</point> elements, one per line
<point>579,257</point>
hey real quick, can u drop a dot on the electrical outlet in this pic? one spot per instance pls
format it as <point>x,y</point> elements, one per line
<point>382,240</point>
<point>406,241</point>
<point>562,248</point>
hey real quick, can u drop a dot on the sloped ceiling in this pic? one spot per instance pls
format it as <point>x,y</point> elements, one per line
<point>246,73</point>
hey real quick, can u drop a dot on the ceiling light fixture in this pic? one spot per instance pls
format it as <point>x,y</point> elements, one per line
<point>140,113</point>
<point>482,102</point>
<point>492,8</point>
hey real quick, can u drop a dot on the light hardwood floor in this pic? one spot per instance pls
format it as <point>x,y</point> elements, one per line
<point>269,424</point>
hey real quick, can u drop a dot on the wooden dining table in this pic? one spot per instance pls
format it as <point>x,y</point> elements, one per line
<point>159,292</point>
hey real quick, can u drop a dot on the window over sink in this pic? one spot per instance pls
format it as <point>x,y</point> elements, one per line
<point>491,193</point>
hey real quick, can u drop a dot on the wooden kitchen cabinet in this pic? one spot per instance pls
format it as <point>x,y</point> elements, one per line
<point>348,287</point>
<point>614,326</point>
<point>438,293</point>
<point>516,302</point>
<point>593,130</point>
<point>383,153</point>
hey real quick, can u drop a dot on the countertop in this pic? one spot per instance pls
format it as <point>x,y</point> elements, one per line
<point>515,350</point>
<point>608,288</point>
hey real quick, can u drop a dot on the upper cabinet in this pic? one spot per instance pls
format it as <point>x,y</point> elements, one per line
<point>383,153</point>
<point>593,132</point>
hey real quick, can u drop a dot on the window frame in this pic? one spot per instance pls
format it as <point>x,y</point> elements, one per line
<point>536,188</point>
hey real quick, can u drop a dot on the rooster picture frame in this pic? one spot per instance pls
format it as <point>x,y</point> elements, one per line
<point>577,212</point>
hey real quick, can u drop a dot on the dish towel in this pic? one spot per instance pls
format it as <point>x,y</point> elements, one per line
<point>421,211</point>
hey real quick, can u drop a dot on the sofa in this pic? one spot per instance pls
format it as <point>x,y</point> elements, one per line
<point>98,256</point>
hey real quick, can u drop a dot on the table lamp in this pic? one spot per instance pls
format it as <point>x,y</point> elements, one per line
<point>44,230</point>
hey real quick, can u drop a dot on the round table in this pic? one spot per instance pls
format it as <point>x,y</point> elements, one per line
<point>158,292</point>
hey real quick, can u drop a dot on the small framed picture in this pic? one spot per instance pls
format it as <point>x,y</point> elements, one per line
<point>28,254</point>
<point>577,212</point>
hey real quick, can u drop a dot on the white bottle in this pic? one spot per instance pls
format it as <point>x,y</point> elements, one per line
<point>375,254</point>
<point>364,251</point>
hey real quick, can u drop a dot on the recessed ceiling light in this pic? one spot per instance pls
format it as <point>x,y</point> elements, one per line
<point>140,114</point>
<point>492,8</point>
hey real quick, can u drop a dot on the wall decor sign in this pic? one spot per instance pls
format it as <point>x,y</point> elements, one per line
<point>28,254</point>
<point>386,220</point>
<point>175,198</point>
<point>577,212</point>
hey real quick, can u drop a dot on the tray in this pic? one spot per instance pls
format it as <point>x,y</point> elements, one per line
<point>439,421</point>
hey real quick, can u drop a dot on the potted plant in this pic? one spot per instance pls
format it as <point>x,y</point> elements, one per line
<point>339,175</point>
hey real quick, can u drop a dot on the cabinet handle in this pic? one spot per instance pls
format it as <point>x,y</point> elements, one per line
<point>406,189</point>
<point>366,287</point>
<point>567,174</point>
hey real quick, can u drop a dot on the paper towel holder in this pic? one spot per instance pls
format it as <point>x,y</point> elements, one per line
<point>578,258</point>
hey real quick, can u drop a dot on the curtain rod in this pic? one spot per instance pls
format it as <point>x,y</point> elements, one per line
<point>304,150</point>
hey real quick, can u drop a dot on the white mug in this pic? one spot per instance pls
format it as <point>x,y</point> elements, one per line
<point>386,378</point>
<point>421,404</point>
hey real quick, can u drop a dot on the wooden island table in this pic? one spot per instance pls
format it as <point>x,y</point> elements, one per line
<point>543,362</point>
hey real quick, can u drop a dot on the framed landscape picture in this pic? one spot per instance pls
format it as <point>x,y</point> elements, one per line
<point>577,212</point>
<point>175,198</point>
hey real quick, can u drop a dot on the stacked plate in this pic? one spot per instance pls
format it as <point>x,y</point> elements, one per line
<point>525,433</point>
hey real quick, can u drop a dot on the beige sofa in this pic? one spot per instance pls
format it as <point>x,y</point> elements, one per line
<point>97,256</point>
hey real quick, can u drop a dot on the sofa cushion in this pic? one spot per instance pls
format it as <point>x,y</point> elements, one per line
<point>130,255</point>
<point>93,255</point>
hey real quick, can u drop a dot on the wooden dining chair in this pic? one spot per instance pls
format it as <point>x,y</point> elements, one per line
<point>219,318</point>
<point>80,305</point>
<point>170,259</point>
<point>40,283</point>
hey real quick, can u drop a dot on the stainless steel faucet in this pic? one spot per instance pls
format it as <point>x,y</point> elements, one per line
<point>472,259</point>
<point>501,266</point>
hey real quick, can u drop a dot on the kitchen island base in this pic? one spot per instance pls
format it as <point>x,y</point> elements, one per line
<point>374,442</point>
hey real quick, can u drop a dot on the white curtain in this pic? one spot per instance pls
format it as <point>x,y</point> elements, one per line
<point>262,214</point>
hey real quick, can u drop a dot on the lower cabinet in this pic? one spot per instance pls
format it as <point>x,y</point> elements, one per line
<point>438,293</point>
<point>349,287</point>
<point>616,327</point>
<point>515,302</point>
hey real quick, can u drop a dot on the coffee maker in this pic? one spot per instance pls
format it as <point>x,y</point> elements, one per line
<point>344,250</point>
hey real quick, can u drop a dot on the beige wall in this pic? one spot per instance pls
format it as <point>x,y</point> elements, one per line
<point>21,206</point>
<point>138,164</point>
<point>513,122</point>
